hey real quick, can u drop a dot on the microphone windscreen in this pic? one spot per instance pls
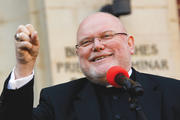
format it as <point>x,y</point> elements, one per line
<point>113,72</point>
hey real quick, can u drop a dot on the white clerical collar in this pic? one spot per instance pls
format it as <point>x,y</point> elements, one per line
<point>129,72</point>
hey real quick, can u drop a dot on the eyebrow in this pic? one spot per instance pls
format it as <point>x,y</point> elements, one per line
<point>84,39</point>
<point>98,33</point>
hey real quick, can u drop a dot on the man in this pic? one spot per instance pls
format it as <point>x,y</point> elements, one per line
<point>102,42</point>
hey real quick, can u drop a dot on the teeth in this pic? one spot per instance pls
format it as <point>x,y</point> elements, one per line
<point>99,58</point>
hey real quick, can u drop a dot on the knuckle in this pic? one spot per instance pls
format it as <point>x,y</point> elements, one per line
<point>29,26</point>
<point>21,27</point>
<point>23,36</point>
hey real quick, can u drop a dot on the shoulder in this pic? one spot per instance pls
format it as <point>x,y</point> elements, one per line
<point>65,89</point>
<point>161,80</point>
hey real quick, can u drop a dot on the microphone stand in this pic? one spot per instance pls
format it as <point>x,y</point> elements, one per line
<point>134,89</point>
<point>135,106</point>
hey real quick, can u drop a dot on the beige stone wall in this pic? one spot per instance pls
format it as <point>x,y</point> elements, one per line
<point>157,36</point>
<point>11,15</point>
<point>153,23</point>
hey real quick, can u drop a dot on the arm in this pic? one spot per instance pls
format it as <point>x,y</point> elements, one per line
<point>18,104</point>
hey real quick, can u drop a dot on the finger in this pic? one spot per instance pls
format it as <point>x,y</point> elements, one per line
<point>30,28</point>
<point>23,37</point>
<point>25,45</point>
<point>35,38</point>
<point>22,28</point>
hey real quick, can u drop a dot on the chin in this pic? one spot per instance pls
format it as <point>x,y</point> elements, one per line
<point>96,74</point>
<point>97,77</point>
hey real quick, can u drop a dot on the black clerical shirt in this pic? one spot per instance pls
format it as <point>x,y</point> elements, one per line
<point>113,103</point>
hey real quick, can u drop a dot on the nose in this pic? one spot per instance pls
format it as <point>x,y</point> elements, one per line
<point>97,46</point>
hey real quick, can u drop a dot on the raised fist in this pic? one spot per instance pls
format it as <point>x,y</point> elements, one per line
<point>27,48</point>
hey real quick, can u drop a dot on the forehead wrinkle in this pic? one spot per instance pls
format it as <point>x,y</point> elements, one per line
<point>98,22</point>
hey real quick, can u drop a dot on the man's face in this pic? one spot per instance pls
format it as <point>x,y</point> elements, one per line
<point>96,58</point>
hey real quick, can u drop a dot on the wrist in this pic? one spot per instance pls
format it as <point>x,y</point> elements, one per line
<point>23,70</point>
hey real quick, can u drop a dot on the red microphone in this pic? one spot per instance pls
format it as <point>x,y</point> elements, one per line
<point>119,77</point>
<point>113,73</point>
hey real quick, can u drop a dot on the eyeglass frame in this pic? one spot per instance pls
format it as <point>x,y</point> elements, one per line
<point>77,46</point>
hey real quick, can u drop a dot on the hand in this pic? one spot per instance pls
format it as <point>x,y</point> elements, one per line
<point>27,48</point>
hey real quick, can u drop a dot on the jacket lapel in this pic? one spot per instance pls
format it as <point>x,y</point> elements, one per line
<point>87,108</point>
<point>151,100</point>
<point>86,105</point>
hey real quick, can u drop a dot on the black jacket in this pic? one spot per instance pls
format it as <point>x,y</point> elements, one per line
<point>76,100</point>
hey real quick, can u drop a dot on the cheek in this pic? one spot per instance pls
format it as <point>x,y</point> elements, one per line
<point>83,54</point>
<point>120,49</point>
<point>116,46</point>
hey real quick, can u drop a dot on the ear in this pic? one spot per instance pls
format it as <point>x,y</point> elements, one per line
<point>131,44</point>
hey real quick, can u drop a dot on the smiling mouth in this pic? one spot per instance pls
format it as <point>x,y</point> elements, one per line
<point>95,59</point>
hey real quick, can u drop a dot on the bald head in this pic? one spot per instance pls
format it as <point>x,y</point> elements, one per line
<point>102,53</point>
<point>99,22</point>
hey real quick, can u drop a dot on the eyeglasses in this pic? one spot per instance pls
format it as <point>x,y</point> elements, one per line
<point>104,36</point>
